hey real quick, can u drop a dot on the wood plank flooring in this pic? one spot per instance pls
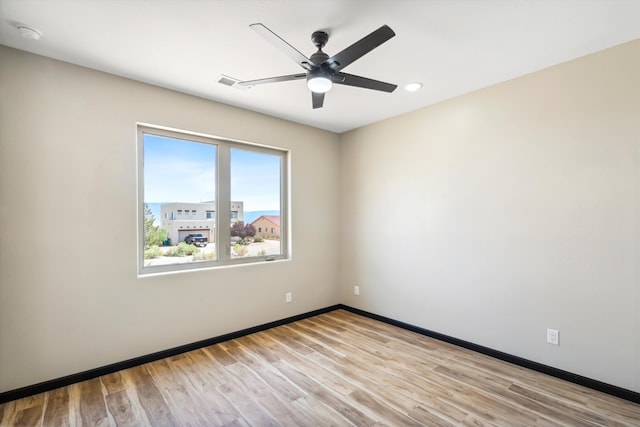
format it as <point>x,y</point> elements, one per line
<point>335,369</point>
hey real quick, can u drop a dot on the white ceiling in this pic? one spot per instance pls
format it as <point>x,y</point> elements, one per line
<point>452,47</point>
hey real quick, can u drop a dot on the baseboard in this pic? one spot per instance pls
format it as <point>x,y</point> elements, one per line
<point>535,366</point>
<point>42,387</point>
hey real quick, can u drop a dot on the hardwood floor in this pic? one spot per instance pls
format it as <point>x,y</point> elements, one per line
<point>335,369</point>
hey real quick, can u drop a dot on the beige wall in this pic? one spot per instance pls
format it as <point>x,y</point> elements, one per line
<point>524,209</point>
<point>70,299</point>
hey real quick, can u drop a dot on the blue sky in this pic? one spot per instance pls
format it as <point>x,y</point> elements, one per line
<point>184,171</point>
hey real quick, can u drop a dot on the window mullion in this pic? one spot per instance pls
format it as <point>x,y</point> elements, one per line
<point>223,202</point>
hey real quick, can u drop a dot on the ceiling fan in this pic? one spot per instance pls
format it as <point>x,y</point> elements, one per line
<point>323,71</point>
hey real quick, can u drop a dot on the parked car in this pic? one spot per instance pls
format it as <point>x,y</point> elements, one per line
<point>196,239</point>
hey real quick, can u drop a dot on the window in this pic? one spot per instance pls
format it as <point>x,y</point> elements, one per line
<point>257,188</point>
<point>182,172</point>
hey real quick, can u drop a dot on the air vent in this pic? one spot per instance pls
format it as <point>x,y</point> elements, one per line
<point>230,81</point>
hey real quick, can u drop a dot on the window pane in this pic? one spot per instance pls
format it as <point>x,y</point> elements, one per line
<point>179,193</point>
<point>256,200</point>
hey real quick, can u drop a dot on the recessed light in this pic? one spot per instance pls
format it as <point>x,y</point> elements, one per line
<point>413,86</point>
<point>29,33</point>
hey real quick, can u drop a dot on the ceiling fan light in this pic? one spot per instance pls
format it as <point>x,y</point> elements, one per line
<point>319,84</point>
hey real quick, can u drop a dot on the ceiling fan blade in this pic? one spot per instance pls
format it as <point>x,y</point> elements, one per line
<point>317,99</point>
<point>274,79</point>
<point>282,45</point>
<point>360,48</point>
<point>351,80</point>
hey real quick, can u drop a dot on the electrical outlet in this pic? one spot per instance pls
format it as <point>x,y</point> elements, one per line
<point>553,336</point>
<point>356,290</point>
<point>288,297</point>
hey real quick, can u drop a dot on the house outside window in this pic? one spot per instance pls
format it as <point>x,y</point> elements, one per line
<point>267,226</point>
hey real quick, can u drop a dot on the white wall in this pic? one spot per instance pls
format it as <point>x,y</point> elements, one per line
<point>70,299</point>
<point>524,211</point>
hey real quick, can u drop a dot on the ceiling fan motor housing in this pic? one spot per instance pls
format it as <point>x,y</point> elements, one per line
<point>319,58</point>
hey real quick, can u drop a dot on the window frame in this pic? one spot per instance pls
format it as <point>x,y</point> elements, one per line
<point>222,200</point>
